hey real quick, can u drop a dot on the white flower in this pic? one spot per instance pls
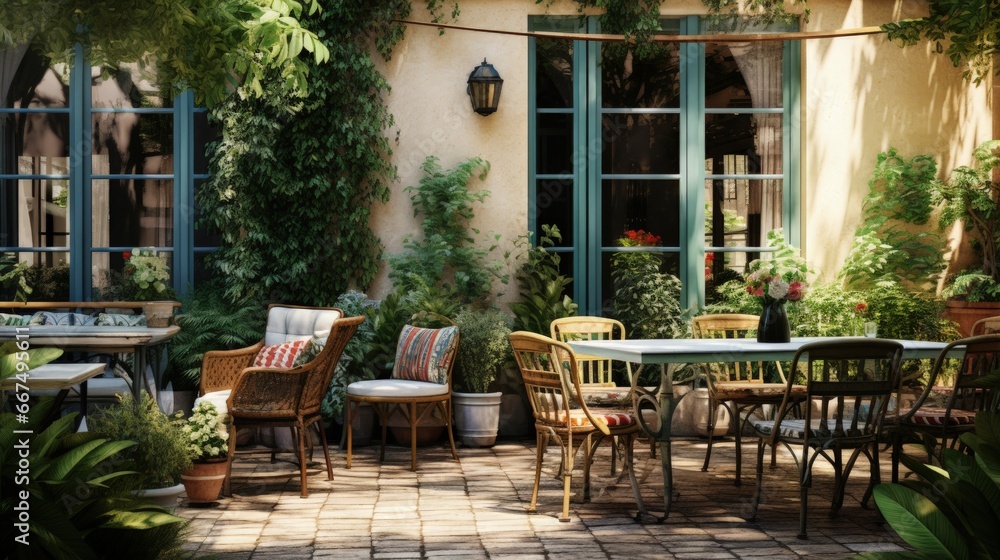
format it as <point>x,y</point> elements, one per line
<point>778,288</point>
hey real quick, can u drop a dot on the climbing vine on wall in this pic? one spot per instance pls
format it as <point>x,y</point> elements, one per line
<point>294,178</point>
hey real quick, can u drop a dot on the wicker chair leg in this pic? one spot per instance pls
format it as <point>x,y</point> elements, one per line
<point>567,453</point>
<point>301,433</point>
<point>228,482</point>
<point>326,449</point>
<point>446,410</point>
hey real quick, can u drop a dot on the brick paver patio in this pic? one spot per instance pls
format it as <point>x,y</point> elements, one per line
<point>476,509</point>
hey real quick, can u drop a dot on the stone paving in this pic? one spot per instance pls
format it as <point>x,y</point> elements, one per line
<point>476,509</point>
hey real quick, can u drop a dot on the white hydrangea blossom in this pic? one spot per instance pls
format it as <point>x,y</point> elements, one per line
<point>208,437</point>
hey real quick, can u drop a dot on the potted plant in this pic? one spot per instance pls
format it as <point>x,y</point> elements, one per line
<point>161,452</point>
<point>971,197</point>
<point>208,441</point>
<point>482,349</point>
<point>148,275</point>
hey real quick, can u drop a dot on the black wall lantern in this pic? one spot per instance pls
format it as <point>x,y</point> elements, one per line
<point>484,89</point>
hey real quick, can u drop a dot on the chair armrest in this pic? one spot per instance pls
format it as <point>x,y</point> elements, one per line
<point>221,368</point>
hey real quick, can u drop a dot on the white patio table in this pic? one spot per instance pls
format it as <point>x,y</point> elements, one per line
<point>669,353</point>
<point>97,340</point>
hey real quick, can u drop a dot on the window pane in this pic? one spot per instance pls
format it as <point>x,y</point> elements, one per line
<point>132,213</point>
<point>554,206</point>
<point>128,86</point>
<point>35,212</point>
<point>47,275</point>
<point>740,212</point>
<point>204,235</point>
<point>108,277</point>
<point>641,144</point>
<point>133,143</point>
<point>629,81</point>
<point>653,206</point>
<point>202,273</point>
<point>555,143</point>
<point>743,75</point>
<point>204,133</point>
<point>554,74</point>
<point>755,136</point>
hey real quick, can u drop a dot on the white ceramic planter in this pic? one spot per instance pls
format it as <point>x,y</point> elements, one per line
<point>477,417</point>
<point>163,497</point>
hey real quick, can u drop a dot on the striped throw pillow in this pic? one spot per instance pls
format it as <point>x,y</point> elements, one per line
<point>279,355</point>
<point>425,354</point>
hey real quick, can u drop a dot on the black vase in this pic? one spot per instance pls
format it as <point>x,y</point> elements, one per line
<point>773,326</point>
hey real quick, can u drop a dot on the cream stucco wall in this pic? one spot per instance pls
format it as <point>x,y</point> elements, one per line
<point>860,96</point>
<point>863,95</point>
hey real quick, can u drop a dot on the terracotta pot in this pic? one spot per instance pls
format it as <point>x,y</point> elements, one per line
<point>203,481</point>
<point>159,313</point>
<point>966,314</point>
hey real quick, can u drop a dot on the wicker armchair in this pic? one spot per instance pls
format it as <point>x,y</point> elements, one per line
<point>279,397</point>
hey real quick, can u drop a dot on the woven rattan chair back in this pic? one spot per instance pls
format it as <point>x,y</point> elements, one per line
<point>275,397</point>
<point>592,370</point>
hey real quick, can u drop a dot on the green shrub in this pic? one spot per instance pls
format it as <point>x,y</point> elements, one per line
<point>161,452</point>
<point>354,364</point>
<point>646,300</point>
<point>211,322</point>
<point>483,348</point>
<point>447,256</point>
<point>541,287</point>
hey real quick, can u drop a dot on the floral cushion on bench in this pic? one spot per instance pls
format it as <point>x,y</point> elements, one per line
<point>120,320</point>
<point>9,320</point>
<point>50,318</point>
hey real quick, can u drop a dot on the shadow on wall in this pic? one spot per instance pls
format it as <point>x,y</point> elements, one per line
<point>885,96</point>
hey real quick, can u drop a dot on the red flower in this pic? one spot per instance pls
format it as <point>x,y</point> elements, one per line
<point>861,308</point>
<point>127,255</point>
<point>795,291</point>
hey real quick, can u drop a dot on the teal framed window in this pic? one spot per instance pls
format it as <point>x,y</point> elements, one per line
<point>693,143</point>
<point>95,162</point>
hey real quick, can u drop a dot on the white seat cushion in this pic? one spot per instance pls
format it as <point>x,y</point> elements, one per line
<point>396,388</point>
<point>286,324</point>
<point>218,398</point>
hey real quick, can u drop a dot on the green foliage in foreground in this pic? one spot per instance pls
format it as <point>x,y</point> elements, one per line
<point>952,511</point>
<point>72,512</point>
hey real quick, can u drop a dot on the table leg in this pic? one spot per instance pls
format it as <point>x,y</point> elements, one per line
<point>139,373</point>
<point>663,404</point>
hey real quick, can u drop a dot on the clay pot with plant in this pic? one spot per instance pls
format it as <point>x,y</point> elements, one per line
<point>483,349</point>
<point>972,197</point>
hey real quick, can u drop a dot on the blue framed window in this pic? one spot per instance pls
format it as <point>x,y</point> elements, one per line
<point>691,143</point>
<point>95,162</point>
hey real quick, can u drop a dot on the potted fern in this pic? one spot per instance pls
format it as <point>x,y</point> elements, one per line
<point>483,348</point>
